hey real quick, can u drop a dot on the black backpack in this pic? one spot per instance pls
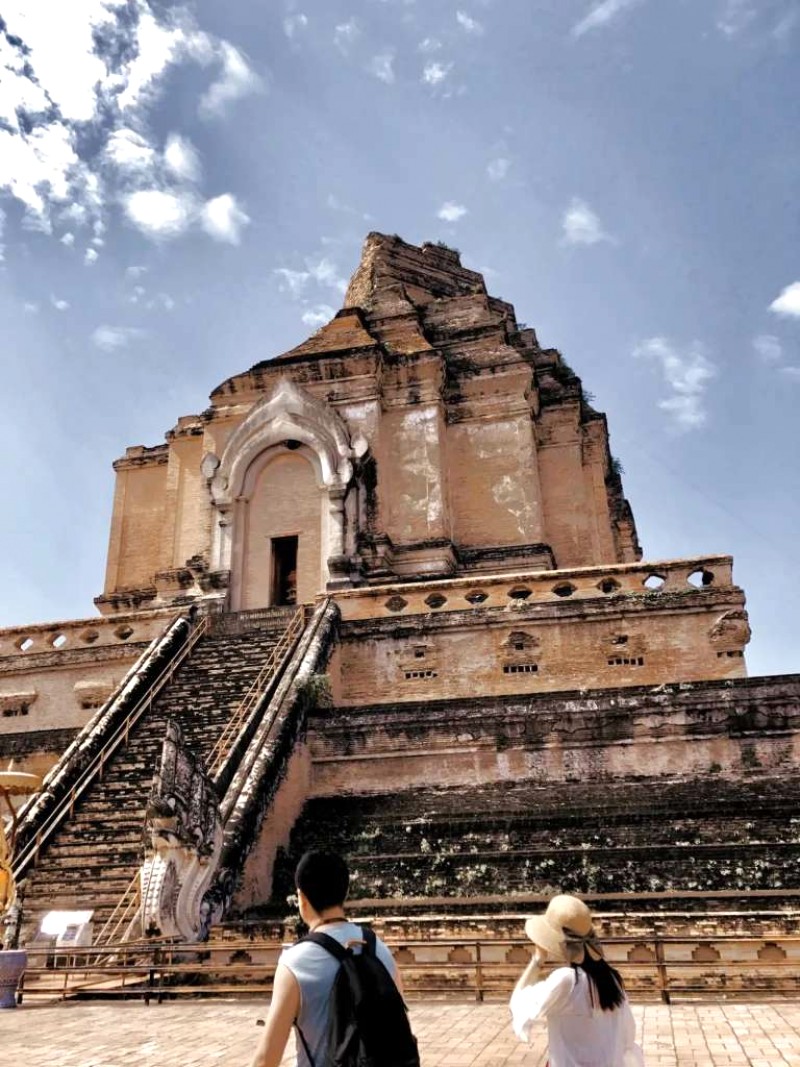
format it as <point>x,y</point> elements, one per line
<point>367,1017</point>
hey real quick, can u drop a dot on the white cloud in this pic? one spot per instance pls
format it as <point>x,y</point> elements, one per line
<point>236,81</point>
<point>132,155</point>
<point>687,374</point>
<point>346,34</point>
<point>90,256</point>
<point>434,73</point>
<point>325,272</point>
<point>77,83</point>
<point>223,219</point>
<point>318,315</point>
<point>292,281</point>
<point>581,225</point>
<point>791,372</point>
<point>181,159</point>
<point>470,25</point>
<point>294,24</point>
<point>451,212</point>
<point>58,304</point>
<point>159,213</point>
<point>429,44</point>
<point>30,308</point>
<point>498,168</point>
<point>768,348</point>
<point>68,239</point>
<point>111,338</point>
<point>601,14</point>
<point>382,66</point>
<point>788,301</point>
<point>735,16</point>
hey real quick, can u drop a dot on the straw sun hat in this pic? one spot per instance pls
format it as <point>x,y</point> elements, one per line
<point>565,931</point>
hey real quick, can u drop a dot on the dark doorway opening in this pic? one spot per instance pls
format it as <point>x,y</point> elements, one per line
<point>284,570</point>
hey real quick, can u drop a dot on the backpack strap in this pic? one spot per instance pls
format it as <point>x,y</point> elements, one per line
<point>305,1043</point>
<point>370,942</point>
<point>330,944</point>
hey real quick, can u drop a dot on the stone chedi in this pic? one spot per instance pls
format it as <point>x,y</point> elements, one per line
<point>399,553</point>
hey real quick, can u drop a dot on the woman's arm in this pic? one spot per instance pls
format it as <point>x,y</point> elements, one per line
<point>532,973</point>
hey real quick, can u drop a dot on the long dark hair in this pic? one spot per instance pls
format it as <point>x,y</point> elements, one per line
<point>606,988</point>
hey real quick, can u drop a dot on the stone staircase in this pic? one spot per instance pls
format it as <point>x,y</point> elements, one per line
<point>95,853</point>
<point>474,845</point>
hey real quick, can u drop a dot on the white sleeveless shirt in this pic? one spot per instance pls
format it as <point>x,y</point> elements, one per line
<point>314,969</point>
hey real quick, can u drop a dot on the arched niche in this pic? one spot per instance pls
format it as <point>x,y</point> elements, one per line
<point>288,428</point>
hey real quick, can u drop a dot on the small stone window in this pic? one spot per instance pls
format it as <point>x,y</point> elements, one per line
<point>520,668</point>
<point>608,585</point>
<point>395,603</point>
<point>477,596</point>
<point>701,578</point>
<point>519,641</point>
<point>435,600</point>
<point>654,582</point>
<point>519,592</point>
<point>59,641</point>
<point>419,652</point>
<point>564,589</point>
<point>733,653</point>
<point>124,632</point>
<point>619,639</point>
<point>24,643</point>
<point>89,636</point>
<point>413,675</point>
<point>13,712</point>
<point>626,661</point>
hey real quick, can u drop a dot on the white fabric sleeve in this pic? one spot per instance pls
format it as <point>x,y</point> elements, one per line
<point>633,1054</point>
<point>534,1002</point>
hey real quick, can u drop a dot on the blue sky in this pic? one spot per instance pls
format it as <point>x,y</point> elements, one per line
<point>185,190</point>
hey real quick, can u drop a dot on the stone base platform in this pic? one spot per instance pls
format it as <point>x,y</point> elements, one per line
<point>202,1034</point>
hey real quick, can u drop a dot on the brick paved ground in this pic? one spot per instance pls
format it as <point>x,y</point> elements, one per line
<point>213,1032</point>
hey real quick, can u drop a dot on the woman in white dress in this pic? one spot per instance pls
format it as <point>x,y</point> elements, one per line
<point>583,1002</point>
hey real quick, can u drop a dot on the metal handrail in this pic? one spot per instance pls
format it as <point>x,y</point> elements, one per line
<point>120,736</point>
<point>147,968</point>
<point>274,664</point>
<point>129,900</point>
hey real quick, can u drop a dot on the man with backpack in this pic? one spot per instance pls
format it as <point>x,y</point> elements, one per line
<point>338,986</point>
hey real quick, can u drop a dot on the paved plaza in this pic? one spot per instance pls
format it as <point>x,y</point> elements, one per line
<point>203,1033</point>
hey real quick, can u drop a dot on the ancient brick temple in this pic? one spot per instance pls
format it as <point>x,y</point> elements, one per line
<point>387,591</point>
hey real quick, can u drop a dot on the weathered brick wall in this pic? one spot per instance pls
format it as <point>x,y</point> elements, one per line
<point>495,495</point>
<point>729,729</point>
<point>137,547</point>
<point>503,635</point>
<point>53,676</point>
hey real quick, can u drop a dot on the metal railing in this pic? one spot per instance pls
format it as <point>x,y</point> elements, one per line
<point>273,666</point>
<point>478,969</point>
<point>118,737</point>
<point>120,922</point>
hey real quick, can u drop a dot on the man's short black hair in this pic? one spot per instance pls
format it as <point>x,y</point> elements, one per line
<point>323,878</point>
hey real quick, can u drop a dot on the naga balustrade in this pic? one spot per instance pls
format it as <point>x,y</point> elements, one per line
<point>119,736</point>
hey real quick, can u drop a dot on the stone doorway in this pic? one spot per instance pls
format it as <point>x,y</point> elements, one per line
<point>284,571</point>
